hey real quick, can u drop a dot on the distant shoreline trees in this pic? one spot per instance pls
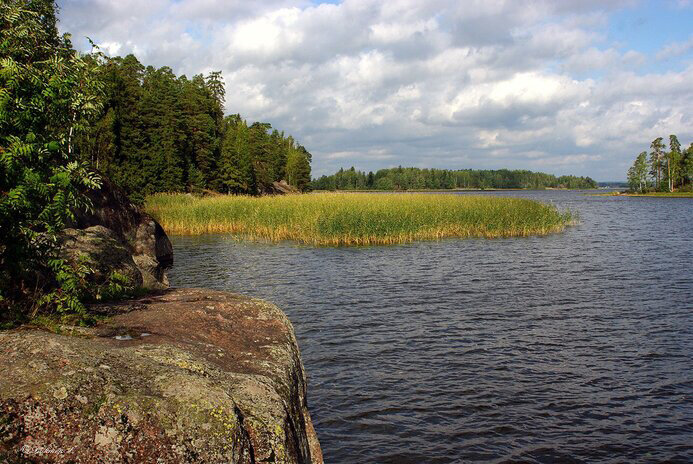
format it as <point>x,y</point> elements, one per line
<point>443,179</point>
<point>664,171</point>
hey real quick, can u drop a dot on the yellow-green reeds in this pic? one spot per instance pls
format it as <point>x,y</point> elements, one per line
<point>356,218</point>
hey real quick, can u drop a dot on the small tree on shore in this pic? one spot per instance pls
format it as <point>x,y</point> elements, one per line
<point>687,166</point>
<point>668,171</point>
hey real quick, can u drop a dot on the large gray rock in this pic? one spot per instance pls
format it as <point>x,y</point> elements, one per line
<point>218,379</point>
<point>147,244</point>
<point>103,251</point>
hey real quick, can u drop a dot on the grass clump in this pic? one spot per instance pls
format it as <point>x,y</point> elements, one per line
<point>356,218</point>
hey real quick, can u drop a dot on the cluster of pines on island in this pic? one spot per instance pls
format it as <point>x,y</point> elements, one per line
<point>662,171</point>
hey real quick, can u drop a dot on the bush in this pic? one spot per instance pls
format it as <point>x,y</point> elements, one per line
<point>48,95</point>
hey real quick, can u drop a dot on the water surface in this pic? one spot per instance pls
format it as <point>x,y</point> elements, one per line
<point>574,347</point>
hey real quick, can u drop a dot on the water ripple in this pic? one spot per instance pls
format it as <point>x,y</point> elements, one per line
<point>574,347</point>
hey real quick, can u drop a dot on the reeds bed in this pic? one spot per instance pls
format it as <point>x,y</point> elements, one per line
<point>356,218</point>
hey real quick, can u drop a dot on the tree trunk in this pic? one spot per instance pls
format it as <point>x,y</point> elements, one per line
<point>659,173</point>
<point>669,174</point>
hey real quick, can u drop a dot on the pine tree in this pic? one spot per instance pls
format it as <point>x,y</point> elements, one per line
<point>200,109</point>
<point>673,162</point>
<point>637,174</point>
<point>259,146</point>
<point>124,80</point>
<point>163,122</point>
<point>687,165</point>
<point>656,157</point>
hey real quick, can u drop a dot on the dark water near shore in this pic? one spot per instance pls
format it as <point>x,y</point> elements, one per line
<point>575,347</point>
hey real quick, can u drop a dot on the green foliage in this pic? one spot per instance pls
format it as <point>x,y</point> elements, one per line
<point>62,113</point>
<point>117,287</point>
<point>48,95</point>
<point>71,289</point>
<point>440,179</point>
<point>687,168</point>
<point>657,161</point>
<point>673,162</point>
<point>237,173</point>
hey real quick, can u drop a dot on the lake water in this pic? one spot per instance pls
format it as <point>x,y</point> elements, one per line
<point>575,347</point>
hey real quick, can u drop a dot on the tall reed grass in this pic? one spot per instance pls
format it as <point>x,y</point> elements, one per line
<point>356,218</point>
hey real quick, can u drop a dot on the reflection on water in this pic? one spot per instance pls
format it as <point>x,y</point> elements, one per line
<point>574,347</point>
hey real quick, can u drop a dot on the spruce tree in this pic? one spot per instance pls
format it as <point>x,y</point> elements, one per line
<point>236,170</point>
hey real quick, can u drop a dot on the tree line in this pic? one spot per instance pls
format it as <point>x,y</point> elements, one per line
<point>158,132</point>
<point>442,179</point>
<point>661,170</point>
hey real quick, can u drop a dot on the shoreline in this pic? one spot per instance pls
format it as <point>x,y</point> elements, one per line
<point>649,195</point>
<point>176,373</point>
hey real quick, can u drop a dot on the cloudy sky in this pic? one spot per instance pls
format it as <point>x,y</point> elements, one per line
<point>567,87</point>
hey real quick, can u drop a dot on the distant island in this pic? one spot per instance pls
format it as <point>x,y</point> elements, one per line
<point>445,179</point>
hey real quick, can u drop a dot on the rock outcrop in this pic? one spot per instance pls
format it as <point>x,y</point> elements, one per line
<point>115,235</point>
<point>183,376</point>
<point>282,187</point>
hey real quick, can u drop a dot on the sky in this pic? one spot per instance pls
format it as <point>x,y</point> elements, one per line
<point>566,87</point>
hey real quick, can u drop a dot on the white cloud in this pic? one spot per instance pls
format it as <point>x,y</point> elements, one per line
<point>484,84</point>
<point>111,48</point>
<point>268,36</point>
